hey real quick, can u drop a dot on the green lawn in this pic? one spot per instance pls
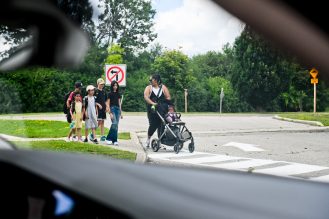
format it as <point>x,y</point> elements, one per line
<point>320,117</point>
<point>75,147</point>
<point>41,129</point>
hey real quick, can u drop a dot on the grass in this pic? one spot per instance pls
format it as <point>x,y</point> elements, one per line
<point>320,117</point>
<point>75,147</point>
<point>41,129</point>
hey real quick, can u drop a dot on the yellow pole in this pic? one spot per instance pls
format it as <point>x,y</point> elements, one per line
<point>314,98</point>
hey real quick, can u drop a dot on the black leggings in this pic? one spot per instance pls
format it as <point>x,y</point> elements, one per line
<point>154,123</point>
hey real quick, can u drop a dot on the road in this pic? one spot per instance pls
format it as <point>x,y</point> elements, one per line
<point>251,142</point>
<point>254,143</point>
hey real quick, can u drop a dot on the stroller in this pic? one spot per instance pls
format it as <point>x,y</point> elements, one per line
<point>173,134</point>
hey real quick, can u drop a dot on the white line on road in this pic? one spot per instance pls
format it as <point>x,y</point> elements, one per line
<point>244,164</point>
<point>243,146</point>
<point>292,169</point>
<point>200,160</point>
<point>171,154</point>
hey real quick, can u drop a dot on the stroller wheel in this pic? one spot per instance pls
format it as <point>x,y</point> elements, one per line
<point>191,147</point>
<point>177,148</point>
<point>155,144</point>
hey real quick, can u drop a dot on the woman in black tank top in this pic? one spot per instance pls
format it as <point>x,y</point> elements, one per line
<point>155,96</point>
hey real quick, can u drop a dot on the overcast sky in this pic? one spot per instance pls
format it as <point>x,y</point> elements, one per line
<point>197,26</point>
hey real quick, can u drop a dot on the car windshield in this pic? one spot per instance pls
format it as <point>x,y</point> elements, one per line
<point>176,83</point>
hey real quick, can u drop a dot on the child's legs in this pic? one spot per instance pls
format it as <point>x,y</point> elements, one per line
<point>93,130</point>
<point>86,133</point>
<point>101,126</point>
<point>79,133</point>
<point>70,133</point>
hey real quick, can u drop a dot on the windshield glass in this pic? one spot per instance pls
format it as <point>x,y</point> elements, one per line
<point>178,83</point>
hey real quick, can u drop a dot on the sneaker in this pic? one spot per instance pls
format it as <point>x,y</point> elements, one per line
<point>147,144</point>
<point>74,138</point>
<point>103,138</point>
<point>86,140</point>
<point>95,141</point>
<point>108,142</point>
<point>116,143</point>
<point>91,137</point>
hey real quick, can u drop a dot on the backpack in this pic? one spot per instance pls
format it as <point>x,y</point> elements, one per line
<point>65,109</point>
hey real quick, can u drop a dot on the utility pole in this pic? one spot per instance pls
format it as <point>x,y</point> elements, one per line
<point>185,94</point>
<point>221,100</point>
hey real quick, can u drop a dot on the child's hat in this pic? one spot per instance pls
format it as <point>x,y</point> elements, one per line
<point>90,87</point>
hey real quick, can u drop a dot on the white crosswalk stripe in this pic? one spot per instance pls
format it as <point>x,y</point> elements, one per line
<point>291,169</point>
<point>287,169</point>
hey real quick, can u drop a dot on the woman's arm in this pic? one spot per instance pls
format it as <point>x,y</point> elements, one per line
<point>147,96</point>
<point>108,105</point>
<point>166,92</point>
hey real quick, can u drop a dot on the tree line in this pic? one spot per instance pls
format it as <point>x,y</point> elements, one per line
<point>255,76</point>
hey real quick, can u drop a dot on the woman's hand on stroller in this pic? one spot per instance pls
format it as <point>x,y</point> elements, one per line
<point>153,107</point>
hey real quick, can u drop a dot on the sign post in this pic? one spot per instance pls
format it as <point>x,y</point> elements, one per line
<point>221,100</point>
<point>314,81</point>
<point>185,94</point>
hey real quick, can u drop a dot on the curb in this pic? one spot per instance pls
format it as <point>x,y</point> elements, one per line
<point>141,157</point>
<point>314,123</point>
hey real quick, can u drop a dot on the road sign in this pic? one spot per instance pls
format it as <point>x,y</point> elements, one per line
<point>314,80</point>
<point>116,73</point>
<point>314,73</point>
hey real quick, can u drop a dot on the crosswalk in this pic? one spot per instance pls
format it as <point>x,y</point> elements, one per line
<point>263,166</point>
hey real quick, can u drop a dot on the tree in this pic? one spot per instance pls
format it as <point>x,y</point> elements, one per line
<point>174,71</point>
<point>261,73</point>
<point>79,11</point>
<point>115,54</point>
<point>128,23</point>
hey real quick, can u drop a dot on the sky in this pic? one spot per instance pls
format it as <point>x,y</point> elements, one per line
<point>194,26</point>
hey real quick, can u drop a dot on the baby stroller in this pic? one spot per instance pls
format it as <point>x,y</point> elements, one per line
<point>173,134</point>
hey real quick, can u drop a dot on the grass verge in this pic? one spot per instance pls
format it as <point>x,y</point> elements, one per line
<point>42,129</point>
<point>75,147</point>
<point>320,117</point>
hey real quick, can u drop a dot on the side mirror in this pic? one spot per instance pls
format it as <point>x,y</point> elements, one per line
<point>55,40</point>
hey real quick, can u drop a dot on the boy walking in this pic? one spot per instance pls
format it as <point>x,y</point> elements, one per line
<point>90,113</point>
<point>101,98</point>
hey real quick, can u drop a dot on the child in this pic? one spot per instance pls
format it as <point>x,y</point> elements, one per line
<point>90,113</point>
<point>76,114</point>
<point>171,115</point>
<point>101,100</point>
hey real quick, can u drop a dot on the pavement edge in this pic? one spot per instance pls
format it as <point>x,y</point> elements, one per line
<point>314,123</point>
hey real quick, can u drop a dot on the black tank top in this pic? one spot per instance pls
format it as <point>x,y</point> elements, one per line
<point>155,99</point>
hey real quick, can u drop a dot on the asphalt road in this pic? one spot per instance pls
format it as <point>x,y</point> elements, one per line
<point>249,142</point>
<point>256,143</point>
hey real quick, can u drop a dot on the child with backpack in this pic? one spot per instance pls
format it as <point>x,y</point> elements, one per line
<point>68,100</point>
<point>76,110</point>
<point>90,113</point>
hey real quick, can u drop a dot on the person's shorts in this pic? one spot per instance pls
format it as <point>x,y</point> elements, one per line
<point>101,114</point>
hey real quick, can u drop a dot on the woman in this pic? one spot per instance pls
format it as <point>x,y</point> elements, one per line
<point>113,104</point>
<point>155,94</point>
